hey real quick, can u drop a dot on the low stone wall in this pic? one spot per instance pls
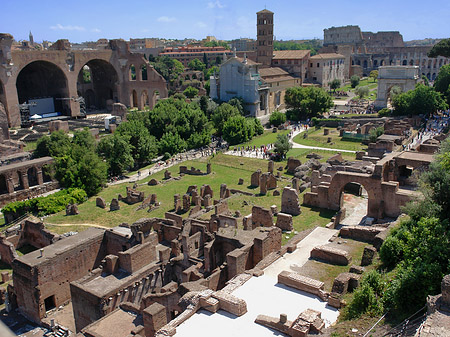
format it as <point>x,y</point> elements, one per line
<point>303,283</point>
<point>331,255</point>
<point>230,303</point>
<point>361,233</point>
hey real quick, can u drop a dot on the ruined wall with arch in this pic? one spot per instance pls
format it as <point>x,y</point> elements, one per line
<point>109,66</point>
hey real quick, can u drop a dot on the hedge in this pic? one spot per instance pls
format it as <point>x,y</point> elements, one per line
<point>41,206</point>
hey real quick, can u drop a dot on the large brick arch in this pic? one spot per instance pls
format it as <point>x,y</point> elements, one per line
<point>41,78</point>
<point>370,184</point>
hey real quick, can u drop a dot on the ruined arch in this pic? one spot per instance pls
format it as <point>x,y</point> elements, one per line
<point>411,62</point>
<point>18,181</point>
<point>155,97</point>
<point>375,63</point>
<point>102,86</point>
<point>371,185</point>
<point>365,64</point>
<point>145,102</point>
<point>382,63</point>
<point>404,63</point>
<point>433,77</point>
<point>32,177</point>
<point>134,99</point>
<point>43,79</point>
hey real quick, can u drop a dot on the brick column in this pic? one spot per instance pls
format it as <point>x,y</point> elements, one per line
<point>25,183</point>
<point>40,177</point>
<point>9,184</point>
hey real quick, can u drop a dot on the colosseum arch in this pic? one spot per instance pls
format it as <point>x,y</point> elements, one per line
<point>43,79</point>
<point>101,84</point>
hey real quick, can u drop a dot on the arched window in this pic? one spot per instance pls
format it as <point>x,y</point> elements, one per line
<point>144,72</point>
<point>132,73</point>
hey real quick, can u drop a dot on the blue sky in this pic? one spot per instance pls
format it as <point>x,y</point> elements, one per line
<point>83,20</point>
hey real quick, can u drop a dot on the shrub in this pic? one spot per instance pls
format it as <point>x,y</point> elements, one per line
<point>385,112</point>
<point>277,118</point>
<point>45,205</point>
<point>391,252</point>
<point>354,81</point>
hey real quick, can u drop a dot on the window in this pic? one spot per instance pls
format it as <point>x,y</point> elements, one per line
<point>318,65</point>
<point>49,303</point>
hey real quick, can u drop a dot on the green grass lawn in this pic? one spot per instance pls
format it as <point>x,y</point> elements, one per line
<point>226,169</point>
<point>268,137</point>
<point>316,138</point>
<point>30,146</point>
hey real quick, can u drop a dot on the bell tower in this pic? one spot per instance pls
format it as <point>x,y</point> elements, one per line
<point>264,43</point>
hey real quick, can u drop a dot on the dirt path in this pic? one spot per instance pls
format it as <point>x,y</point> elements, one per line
<point>77,224</point>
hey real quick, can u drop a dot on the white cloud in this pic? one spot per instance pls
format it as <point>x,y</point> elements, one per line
<point>166,19</point>
<point>215,4</point>
<point>68,27</point>
<point>96,30</point>
<point>201,24</point>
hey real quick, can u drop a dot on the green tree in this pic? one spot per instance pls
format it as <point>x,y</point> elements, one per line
<point>238,103</point>
<point>421,100</point>
<point>306,102</point>
<point>55,145</point>
<point>169,68</point>
<point>190,92</point>
<point>442,48</point>
<point>354,81</point>
<point>217,44</point>
<point>223,112</point>
<point>116,150</point>
<point>442,82</point>
<point>375,133</point>
<point>374,75</point>
<point>171,143</point>
<point>334,84</point>
<point>277,118</point>
<point>362,91</point>
<point>282,145</point>
<point>236,130</point>
<point>144,147</point>
<point>196,64</point>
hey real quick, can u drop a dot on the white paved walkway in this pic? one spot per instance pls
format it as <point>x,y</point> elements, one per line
<point>264,295</point>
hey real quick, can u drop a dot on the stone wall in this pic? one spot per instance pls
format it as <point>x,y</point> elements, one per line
<point>65,261</point>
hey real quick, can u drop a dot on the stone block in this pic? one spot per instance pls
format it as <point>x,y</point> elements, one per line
<point>292,164</point>
<point>241,181</point>
<point>114,206</point>
<point>100,202</point>
<point>368,255</point>
<point>274,209</point>
<point>356,269</point>
<point>331,255</point>
<point>284,222</point>
<point>270,166</point>
<point>289,201</point>
<point>300,282</point>
<point>5,277</point>
<point>154,318</point>
<point>255,177</point>
<point>153,182</point>
<point>230,303</point>
<point>261,217</point>
<point>276,193</point>
<point>72,209</point>
<point>167,174</point>
<point>177,206</point>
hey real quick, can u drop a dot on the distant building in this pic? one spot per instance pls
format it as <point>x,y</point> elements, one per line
<point>324,68</point>
<point>140,44</point>
<point>278,80</point>
<point>262,89</point>
<point>295,62</point>
<point>243,44</point>
<point>187,54</point>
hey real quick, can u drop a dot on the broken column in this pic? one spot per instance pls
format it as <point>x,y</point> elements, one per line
<point>263,183</point>
<point>284,222</point>
<point>289,201</point>
<point>176,203</point>
<point>270,166</point>
<point>254,180</point>
<point>186,202</point>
